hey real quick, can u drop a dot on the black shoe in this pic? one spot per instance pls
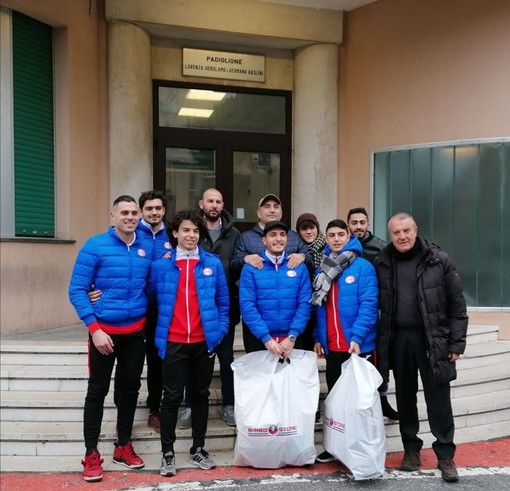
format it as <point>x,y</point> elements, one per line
<point>448,470</point>
<point>411,461</point>
<point>325,457</point>
<point>387,410</point>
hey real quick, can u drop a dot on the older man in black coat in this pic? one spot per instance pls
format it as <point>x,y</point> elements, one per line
<point>422,328</point>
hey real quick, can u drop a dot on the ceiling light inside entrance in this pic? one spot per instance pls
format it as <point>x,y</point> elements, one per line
<point>195,112</point>
<point>205,95</point>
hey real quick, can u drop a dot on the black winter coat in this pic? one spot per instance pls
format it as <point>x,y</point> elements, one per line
<point>372,245</point>
<point>224,248</point>
<point>442,306</point>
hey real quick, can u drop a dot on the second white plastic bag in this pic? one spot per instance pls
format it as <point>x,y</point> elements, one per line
<point>353,420</point>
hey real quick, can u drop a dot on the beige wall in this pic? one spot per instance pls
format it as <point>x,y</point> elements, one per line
<point>34,276</point>
<point>411,71</point>
<point>414,71</point>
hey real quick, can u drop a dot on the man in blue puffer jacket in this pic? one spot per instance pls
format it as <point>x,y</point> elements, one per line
<point>117,262</point>
<point>346,295</point>
<point>193,316</point>
<point>274,300</point>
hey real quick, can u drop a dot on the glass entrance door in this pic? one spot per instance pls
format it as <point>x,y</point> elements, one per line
<point>240,144</point>
<point>188,171</point>
<point>255,175</point>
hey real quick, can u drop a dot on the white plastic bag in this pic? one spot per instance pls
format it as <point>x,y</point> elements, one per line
<point>275,405</point>
<point>353,420</point>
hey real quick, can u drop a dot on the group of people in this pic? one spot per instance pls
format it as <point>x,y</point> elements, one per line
<point>177,291</point>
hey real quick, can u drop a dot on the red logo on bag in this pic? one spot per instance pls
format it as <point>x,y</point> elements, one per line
<point>334,425</point>
<point>273,430</point>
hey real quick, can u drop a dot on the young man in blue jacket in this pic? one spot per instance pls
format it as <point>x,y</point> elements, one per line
<point>193,317</point>
<point>151,225</point>
<point>346,296</point>
<point>117,262</point>
<point>274,300</point>
<point>249,247</point>
<point>358,222</point>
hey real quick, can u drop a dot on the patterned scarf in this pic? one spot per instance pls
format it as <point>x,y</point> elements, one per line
<point>316,248</point>
<point>330,269</point>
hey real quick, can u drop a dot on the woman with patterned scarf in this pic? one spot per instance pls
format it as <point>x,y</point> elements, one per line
<point>307,226</point>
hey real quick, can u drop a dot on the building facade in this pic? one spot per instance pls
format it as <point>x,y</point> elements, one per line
<point>329,108</point>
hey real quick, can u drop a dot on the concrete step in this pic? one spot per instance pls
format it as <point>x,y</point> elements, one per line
<point>36,437</point>
<point>62,450</point>
<point>71,463</point>
<point>43,388</point>
<point>74,353</point>
<point>17,377</point>
<point>62,405</point>
<point>491,353</point>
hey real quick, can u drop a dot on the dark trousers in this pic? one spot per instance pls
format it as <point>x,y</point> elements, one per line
<point>129,351</point>
<point>154,381</point>
<point>334,362</point>
<point>225,352</point>
<point>408,356</point>
<point>154,362</point>
<point>185,362</point>
<point>251,343</point>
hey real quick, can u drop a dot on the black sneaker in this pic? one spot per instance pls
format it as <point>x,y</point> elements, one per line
<point>168,464</point>
<point>325,457</point>
<point>448,470</point>
<point>411,461</point>
<point>201,459</point>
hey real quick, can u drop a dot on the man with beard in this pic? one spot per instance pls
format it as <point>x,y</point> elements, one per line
<point>220,240</point>
<point>357,219</point>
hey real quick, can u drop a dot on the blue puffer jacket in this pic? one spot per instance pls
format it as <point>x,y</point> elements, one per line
<point>357,302</point>
<point>275,301</point>
<point>250,242</point>
<point>160,241</point>
<point>213,298</point>
<point>120,271</point>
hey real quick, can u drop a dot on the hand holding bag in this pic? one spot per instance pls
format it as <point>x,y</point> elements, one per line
<point>275,404</point>
<point>353,420</point>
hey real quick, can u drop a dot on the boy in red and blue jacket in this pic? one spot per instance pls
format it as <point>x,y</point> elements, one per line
<point>193,316</point>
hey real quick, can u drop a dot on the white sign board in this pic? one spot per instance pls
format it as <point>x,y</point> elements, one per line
<point>221,64</point>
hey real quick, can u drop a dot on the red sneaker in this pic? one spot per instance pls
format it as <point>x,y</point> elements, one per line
<point>126,456</point>
<point>153,422</point>
<point>92,468</point>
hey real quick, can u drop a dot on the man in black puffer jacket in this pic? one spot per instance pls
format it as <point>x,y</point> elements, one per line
<point>423,328</point>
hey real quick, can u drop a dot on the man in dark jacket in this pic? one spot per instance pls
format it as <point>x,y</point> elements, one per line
<point>220,240</point>
<point>249,247</point>
<point>423,328</point>
<point>358,222</point>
